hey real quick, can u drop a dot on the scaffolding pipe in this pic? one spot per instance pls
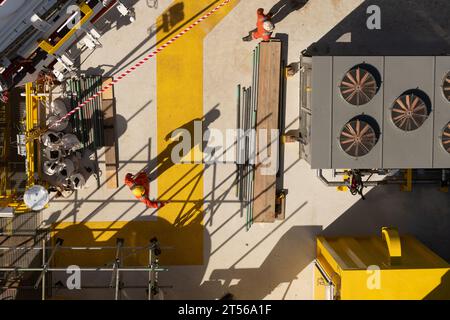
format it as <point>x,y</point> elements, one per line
<point>370,171</point>
<point>115,269</point>
<point>151,278</point>
<point>22,287</point>
<point>256,80</point>
<point>253,91</point>
<point>241,139</point>
<point>245,142</point>
<point>128,269</point>
<point>43,276</point>
<point>372,183</point>
<point>75,248</point>
<point>238,139</point>
<point>115,278</point>
<point>44,268</point>
<point>154,251</point>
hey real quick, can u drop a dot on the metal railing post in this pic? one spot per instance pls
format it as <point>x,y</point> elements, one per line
<point>47,263</point>
<point>115,279</point>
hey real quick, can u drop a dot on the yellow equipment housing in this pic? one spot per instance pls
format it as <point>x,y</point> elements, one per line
<point>377,268</point>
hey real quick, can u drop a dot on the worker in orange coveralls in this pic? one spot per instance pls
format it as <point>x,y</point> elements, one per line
<point>140,186</point>
<point>264,27</point>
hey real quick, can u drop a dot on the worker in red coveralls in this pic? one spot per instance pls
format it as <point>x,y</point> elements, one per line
<point>264,27</point>
<point>140,186</point>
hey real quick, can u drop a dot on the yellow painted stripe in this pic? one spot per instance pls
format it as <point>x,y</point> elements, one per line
<point>179,105</point>
<point>180,102</point>
<point>134,233</point>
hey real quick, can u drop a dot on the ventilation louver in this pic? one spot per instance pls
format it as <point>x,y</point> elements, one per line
<point>358,86</point>
<point>358,138</point>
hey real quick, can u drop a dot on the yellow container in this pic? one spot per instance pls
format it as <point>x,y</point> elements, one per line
<point>378,268</point>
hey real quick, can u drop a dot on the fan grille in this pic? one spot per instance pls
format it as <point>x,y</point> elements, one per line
<point>446,87</point>
<point>446,137</point>
<point>409,112</point>
<point>358,86</point>
<point>357,138</point>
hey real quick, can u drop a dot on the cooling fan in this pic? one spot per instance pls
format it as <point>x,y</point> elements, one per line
<point>358,86</point>
<point>409,112</point>
<point>358,138</point>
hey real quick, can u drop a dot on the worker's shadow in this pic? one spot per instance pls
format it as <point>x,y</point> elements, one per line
<point>284,8</point>
<point>170,156</point>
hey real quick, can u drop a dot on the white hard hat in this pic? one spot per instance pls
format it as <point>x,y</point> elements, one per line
<point>268,26</point>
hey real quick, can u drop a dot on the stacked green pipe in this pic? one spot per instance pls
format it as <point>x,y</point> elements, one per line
<point>87,123</point>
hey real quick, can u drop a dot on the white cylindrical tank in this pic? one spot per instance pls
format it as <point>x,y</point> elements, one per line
<point>36,197</point>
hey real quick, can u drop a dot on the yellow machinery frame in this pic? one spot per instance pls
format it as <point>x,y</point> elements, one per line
<point>47,47</point>
<point>32,123</point>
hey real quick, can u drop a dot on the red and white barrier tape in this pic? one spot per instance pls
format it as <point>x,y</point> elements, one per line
<point>138,64</point>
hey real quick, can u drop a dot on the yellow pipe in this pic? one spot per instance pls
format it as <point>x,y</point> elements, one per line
<point>407,187</point>
<point>31,121</point>
<point>394,246</point>
<point>345,179</point>
<point>30,106</point>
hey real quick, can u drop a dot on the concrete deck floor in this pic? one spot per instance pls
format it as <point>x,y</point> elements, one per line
<point>270,261</point>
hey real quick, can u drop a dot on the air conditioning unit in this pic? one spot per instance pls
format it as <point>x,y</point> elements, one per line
<point>380,112</point>
<point>441,156</point>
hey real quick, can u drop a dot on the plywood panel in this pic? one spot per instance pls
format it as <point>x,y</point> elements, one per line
<point>108,94</point>
<point>266,119</point>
